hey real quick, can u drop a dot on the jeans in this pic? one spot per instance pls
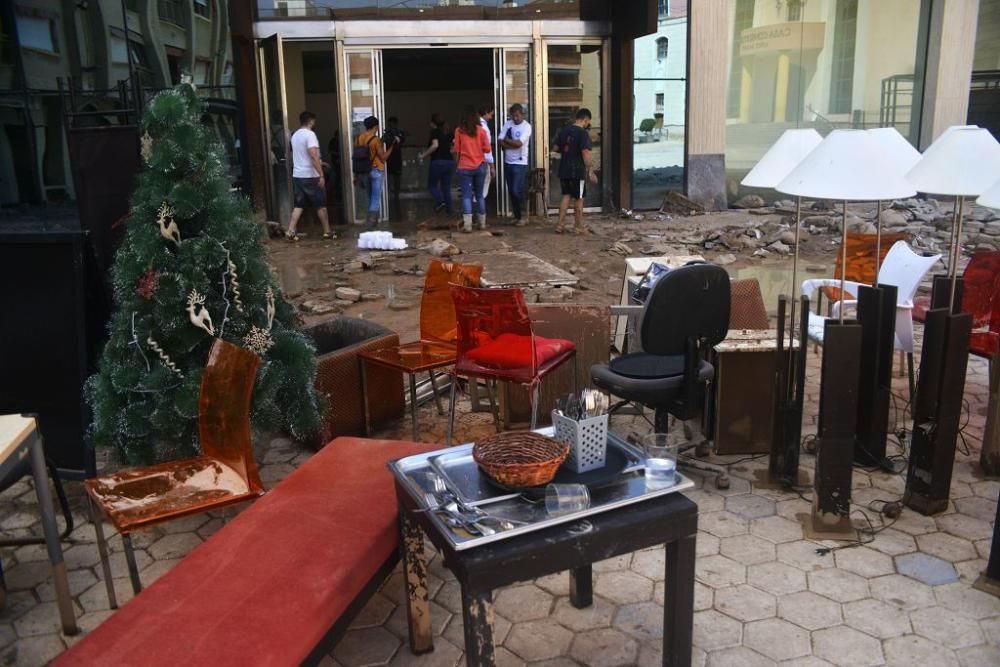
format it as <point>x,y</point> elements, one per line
<point>376,177</point>
<point>515,175</point>
<point>471,180</point>
<point>439,182</point>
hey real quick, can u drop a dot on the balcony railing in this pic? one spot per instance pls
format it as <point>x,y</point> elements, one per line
<point>173,11</point>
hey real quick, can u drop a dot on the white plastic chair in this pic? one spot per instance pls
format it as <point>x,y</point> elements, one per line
<point>901,267</point>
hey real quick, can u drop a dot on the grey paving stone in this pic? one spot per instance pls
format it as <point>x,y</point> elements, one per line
<point>776,578</point>
<point>967,601</point>
<point>838,585</point>
<point>926,568</point>
<point>802,554</point>
<point>979,656</point>
<point>623,587</point>
<point>368,646</point>
<point>174,546</point>
<point>747,549</point>
<point>943,626</point>
<point>777,639</point>
<point>876,618</point>
<point>809,610</point>
<point>745,603</point>
<point>538,640</point>
<point>37,651</point>
<point>597,615</point>
<point>445,654</point>
<point>722,524</point>
<point>750,506</point>
<point>523,603</point>
<point>651,563</point>
<point>714,630</point>
<point>846,647</point>
<point>605,648</point>
<point>946,547</point>
<point>863,561</point>
<point>643,621</point>
<point>893,542</point>
<point>398,624</point>
<point>776,529</point>
<point>902,592</point>
<point>375,612</point>
<point>964,526</point>
<point>738,655</point>
<point>911,650</point>
<point>719,571</point>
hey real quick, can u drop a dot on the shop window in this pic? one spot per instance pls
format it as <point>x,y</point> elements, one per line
<point>795,10</point>
<point>662,45</point>
<point>38,33</point>
<point>202,8</point>
<point>202,72</point>
<point>844,40</point>
<point>743,20</point>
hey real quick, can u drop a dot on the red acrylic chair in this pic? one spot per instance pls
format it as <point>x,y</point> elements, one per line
<point>980,286</point>
<point>496,343</point>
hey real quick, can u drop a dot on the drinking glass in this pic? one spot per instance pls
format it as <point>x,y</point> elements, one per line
<point>661,460</point>
<point>566,498</point>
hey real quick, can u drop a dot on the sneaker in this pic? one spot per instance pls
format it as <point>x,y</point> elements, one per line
<point>291,236</point>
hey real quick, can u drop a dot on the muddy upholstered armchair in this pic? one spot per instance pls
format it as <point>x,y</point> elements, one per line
<point>338,341</point>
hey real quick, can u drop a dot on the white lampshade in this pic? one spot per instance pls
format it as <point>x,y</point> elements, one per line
<point>790,148</point>
<point>962,162</point>
<point>991,197</point>
<point>847,165</point>
<point>899,152</point>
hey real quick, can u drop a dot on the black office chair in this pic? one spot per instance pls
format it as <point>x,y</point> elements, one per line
<point>685,314</point>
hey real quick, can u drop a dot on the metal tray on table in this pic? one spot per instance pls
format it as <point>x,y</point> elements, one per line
<point>461,474</point>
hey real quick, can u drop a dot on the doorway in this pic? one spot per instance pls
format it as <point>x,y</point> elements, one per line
<point>410,84</point>
<point>417,83</point>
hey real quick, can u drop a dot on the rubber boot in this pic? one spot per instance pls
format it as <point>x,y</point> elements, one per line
<point>481,221</point>
<point>467,222</point>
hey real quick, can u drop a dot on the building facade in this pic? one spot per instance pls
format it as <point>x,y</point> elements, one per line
<point>685,94</point>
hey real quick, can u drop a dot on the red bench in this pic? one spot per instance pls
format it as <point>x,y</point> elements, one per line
<point>280,583</point>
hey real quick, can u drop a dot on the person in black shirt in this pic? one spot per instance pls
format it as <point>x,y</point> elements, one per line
<point>576,167</point>
<point>442,167</point>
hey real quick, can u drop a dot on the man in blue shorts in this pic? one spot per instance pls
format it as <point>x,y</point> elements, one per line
<point>576,167</point>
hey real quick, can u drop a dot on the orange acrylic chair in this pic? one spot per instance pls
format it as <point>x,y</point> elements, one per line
<point>438,331</point>
<point>224,474</point>
<point>496,343</point>
<point>860,264</point>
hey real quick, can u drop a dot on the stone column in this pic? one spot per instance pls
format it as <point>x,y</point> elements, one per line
<point>708,60</point>
<point>951,46</point>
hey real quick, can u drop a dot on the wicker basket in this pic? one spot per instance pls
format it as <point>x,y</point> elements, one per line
<point>520,458</point>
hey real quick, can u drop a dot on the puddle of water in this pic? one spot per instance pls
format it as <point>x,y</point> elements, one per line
<point>296,278</point>
<point>775,277</point>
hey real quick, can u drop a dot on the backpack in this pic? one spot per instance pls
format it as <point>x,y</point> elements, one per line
<point>361,158</point>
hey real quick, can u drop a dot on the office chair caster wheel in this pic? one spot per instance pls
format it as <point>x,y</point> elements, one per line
<point>722,482</point>
<point>703,449</point>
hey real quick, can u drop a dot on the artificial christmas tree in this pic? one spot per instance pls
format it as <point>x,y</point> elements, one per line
<point>192,268</point>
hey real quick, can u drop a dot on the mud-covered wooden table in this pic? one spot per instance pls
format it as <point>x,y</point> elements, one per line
<point>670,520</point>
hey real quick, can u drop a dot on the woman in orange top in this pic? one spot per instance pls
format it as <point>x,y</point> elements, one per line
<point>470,148</point>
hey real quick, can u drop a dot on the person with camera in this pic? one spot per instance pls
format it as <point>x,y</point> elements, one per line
<point>368,163</point>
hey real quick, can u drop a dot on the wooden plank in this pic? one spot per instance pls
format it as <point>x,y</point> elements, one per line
<point>588,327</point>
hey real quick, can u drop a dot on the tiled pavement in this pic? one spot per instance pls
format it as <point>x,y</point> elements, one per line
<point>762,595</point>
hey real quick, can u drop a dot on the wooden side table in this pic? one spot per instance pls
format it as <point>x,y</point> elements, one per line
<point>19,438</point>
<point>670,520</point>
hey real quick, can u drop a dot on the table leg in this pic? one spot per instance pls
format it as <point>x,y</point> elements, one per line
<point>581,586</point>
<point>437,396</point>
<point>365,418</point>
<point>413,405</point>
<point>418,611</point>
<point>477,618</point>
<point>59,578</point>
<point>678,607</point>
<point>133,570</point>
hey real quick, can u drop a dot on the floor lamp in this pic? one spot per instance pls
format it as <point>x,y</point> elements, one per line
<point>783,466</point>
<point>876,313</point>
<point>989,580</point>
<point>963,162</point>
<point>847,165</point>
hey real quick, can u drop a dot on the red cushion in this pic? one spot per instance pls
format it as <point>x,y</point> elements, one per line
<point>265,589</point>
<point>508,351</point>
<point>921,305</point>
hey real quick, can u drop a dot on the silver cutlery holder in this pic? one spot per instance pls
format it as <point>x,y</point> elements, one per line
<point>587,440</point>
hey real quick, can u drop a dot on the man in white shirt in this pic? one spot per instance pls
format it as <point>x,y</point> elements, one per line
<point>514,137</point>
<point>308,183</point>
<point>486,113</point>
